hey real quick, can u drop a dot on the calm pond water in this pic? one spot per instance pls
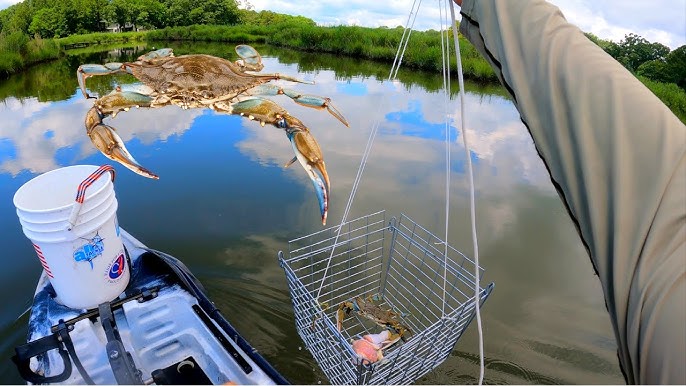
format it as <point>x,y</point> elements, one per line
<point>225,205</point>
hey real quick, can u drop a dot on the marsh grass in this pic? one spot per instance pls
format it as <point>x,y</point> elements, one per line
<point>102,38</point>
<point>17,51</point>
<point>424,52</point>
<point>670,94</point>
<point>379,44</point>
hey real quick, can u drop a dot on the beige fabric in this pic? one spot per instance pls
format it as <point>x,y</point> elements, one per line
<point>617,156</point>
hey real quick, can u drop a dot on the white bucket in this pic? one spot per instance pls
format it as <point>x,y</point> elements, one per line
<point>70,216</point>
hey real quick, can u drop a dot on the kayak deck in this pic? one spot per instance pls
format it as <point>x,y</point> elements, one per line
<point>163,330</point>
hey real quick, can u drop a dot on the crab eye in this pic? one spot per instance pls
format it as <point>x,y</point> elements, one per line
<point>281,123</point>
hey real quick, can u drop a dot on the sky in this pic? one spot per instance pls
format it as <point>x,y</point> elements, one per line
<point>661,21</point>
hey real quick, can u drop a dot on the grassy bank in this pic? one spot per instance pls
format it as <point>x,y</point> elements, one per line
<point>102,38</point>
<point>17,52</point>
<point>670,94</point>
<point>380,44</point>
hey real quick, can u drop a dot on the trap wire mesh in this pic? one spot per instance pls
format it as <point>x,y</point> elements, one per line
<point>397,262</point>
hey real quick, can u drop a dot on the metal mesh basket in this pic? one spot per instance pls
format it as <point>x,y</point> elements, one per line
<point>398,261</point>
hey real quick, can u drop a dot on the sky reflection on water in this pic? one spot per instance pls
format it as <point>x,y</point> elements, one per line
<point>225,205</point>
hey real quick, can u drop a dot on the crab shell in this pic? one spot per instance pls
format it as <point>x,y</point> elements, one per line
<point>367,350</point>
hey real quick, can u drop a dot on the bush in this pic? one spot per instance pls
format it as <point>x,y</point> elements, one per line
<point>13,42</point>
<point>670,94</point>
<point>18,51</point>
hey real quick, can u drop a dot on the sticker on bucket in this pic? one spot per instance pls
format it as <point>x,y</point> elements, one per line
<point>116,268</point>
<point>90,250</point>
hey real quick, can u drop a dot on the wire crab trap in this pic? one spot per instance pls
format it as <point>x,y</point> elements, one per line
<point>399,267</point>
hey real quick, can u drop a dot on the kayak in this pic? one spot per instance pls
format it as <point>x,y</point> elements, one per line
<point>163,329</point>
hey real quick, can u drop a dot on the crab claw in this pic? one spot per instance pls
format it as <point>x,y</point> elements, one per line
<point>106,139</point>
<point>250,58</point>
<point>343,310</point>
<point>316,102</point>
<point>305,147</point>
<point>308,153</point>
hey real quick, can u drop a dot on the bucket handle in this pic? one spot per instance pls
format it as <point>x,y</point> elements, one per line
<point>81,192</point>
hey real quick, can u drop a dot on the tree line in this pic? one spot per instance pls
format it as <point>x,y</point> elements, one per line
<point>59,18</point>
<point>654,61</point>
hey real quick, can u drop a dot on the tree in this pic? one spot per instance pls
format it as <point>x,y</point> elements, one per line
<point>47,23</point>
<point>151,14</point>
<point>178,12</point>
<point>120,11</point>
<point>655,70</point>
<point>18,18</point>
<point>90,14</point>
<point>266,18</point>
<point>635,50</point>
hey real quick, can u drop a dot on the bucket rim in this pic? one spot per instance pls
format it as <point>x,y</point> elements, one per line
<point>90,226</point>
<point>64,222</point>
<point>91,192</point>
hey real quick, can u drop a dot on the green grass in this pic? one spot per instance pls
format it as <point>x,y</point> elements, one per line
<point>380,44</point>
<point>17,52</point>
<point>102,38</point>
<point>423,52</point>
<point>209,33</point>
<point>670,94</point>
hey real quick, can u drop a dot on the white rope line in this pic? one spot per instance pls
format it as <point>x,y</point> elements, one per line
<point>445,51</point>
<point>372,135</point>
<point>472,203</point>
<point>403,38</point>
<point>415,12</point>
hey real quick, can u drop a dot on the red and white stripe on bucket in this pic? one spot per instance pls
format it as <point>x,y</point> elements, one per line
<point>43,262</point>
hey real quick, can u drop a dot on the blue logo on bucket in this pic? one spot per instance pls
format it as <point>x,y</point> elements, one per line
<point>90,251</point>
<point>117,267</point>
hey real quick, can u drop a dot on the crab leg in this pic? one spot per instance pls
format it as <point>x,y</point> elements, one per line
<point>305,147</point>
<point>313,101</point>
<point>161,53</point>
<point>250,58</point>
<point>85,71</point>
<point>105,137</point>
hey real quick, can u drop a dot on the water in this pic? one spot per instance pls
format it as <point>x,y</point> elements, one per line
<point>225,205</point>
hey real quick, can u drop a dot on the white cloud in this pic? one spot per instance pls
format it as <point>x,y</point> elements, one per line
<point>662,21</point>
<point>28,121</point>
<point>6,3</point>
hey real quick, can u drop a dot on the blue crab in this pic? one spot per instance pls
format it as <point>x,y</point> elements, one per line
<point>204,81</point>
<point>370,307</point>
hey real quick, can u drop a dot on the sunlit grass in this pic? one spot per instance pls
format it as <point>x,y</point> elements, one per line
<point>423,52</point>
<point>102,38</point>
<point>670,94</point>
<point>380,44</point>
<point>17,51</point>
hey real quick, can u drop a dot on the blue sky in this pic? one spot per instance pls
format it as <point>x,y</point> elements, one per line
<point>661,21</point>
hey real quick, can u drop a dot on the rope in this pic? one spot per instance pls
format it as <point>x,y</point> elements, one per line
<point>446,84</point>
<point>375,128</point>
<point>445,50</point>
<point>472,203</point>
